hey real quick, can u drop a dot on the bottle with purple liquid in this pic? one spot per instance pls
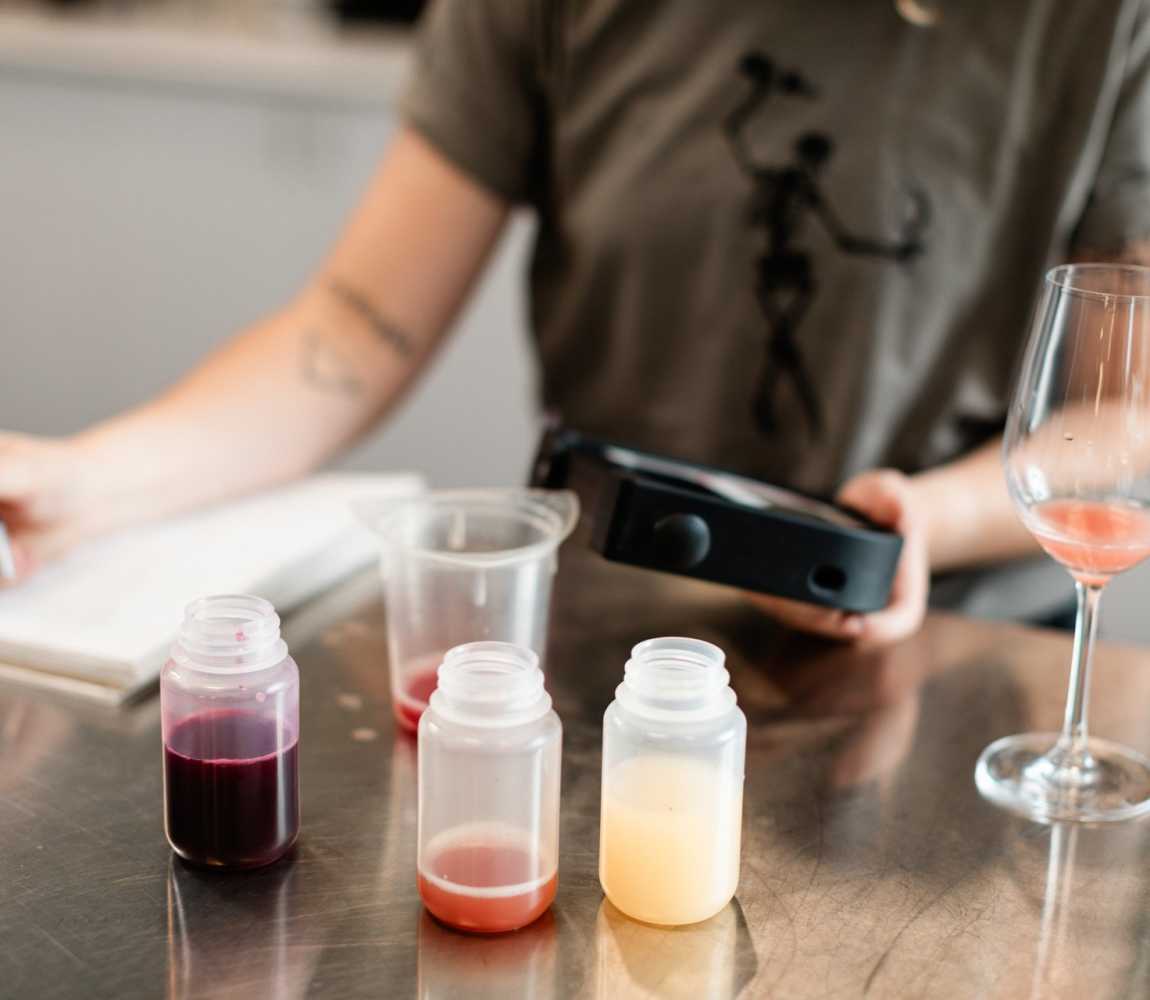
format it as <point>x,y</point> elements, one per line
<point>229,700</point>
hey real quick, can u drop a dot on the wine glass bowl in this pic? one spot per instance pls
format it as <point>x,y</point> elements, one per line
<point>1077,459</point>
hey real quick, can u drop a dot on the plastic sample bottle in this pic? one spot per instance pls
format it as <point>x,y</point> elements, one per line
<point>229,702</point>
<point>674,744</point>
<point>489,758</point>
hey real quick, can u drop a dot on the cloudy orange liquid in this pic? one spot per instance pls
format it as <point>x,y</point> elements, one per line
<point>669,839</point>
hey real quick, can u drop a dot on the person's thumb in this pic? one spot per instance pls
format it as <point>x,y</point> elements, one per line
<point>882,496</point>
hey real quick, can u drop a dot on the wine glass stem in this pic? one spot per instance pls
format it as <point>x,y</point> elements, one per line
<point>1070,750</point>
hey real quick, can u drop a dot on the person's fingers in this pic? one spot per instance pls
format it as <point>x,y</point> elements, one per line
<point>25,559</point>
<point>39,477</point>
<point>25,562</point>
<point>896,621</point>
<point>34,547</point>
<point>881,496</point>
<point>887,498</point>
<point>38,501</point>
<point>14,485</point>
<point>826,622</point>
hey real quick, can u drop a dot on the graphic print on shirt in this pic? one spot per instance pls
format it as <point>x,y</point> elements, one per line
<point>784,196</point>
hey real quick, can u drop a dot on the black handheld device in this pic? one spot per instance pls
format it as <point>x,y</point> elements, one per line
<point>665,514</point>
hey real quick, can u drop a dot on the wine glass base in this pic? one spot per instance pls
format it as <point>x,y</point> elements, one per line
<point>1112,785</point>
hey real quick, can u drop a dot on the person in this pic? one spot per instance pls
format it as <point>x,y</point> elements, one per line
<point>906,172</point>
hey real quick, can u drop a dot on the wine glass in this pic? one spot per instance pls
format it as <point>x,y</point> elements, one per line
<point>1077,459</point>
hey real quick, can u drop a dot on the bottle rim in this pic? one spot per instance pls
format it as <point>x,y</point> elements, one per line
<point>546,517</point>
<point>229,634</point>
<point>490,684</point>
<point>1098,281</point>
<point>676,678</point>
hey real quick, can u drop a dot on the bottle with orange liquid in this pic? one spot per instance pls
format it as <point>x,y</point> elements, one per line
<point>489,759</point>
<point>674,744</point>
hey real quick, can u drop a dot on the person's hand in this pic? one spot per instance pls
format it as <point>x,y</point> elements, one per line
<point>887,498</point>
<point>40,499</point>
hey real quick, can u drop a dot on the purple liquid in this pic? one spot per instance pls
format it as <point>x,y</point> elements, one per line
<point>231,798</point>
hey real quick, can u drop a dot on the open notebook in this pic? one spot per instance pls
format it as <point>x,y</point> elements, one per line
<point>100,621</point>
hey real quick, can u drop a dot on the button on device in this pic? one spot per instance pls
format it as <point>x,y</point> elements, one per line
<point>682,541</point>
<point>827,579</point>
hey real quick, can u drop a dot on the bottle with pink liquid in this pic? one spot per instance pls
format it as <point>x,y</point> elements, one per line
<point>489,760</point>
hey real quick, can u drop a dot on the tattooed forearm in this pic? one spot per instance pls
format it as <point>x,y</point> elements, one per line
<point>382,327</point>
<point>327,368</point>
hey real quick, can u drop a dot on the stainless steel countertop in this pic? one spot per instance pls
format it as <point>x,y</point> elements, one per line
<point>870,865</point>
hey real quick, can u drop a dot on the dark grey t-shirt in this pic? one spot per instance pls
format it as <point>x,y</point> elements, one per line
<point>1024,125</point>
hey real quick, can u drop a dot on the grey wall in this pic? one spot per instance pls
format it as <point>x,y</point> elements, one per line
<point>140,225</point>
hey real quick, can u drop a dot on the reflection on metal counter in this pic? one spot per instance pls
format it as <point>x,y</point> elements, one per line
<point>714,959</point>
<point>871,865</point>
<point>454,965</point>
<point>228,937</point>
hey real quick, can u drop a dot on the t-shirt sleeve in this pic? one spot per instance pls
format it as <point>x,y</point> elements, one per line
<point>1117,214</point>
<point>476,91</point>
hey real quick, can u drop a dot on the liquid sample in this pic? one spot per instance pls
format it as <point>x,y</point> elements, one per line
<point>485,886</point>
<point>231,795</point>
<point>416,685</point>
<point>670,833</point>
<point>1092,539</point>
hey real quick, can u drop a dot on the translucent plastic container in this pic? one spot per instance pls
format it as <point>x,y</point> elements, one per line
<point>461,566</point>
<point>674,745</point>
<point>489,757</point>
<point>229,700</point>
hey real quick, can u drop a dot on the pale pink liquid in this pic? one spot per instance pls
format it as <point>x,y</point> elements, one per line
<point>415,686</point>
<point>467,891</point>
<point>1093,539</point>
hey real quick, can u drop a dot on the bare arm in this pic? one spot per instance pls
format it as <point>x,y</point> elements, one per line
<point>969,517</point>
<point>291,391</point>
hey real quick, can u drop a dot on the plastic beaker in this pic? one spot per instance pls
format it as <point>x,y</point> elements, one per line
<point>463,566</point>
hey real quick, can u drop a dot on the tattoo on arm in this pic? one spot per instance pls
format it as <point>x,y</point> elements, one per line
<point>327,368</point>
<point>380,325</point>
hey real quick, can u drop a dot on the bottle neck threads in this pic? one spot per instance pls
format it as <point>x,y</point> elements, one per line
<point>490,684</point>
<point>229,633</point>
<point>676,679</point>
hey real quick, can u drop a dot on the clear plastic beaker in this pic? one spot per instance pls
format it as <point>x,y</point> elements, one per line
<point>464,566</point>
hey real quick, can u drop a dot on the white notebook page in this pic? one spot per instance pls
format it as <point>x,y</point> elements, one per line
<point>106,614</point>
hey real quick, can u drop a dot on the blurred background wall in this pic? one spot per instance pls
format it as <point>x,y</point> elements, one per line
<point>172,169</point>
